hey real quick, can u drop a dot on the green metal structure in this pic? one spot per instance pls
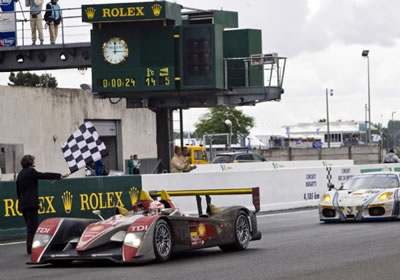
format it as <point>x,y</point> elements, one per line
<point>163,55</point>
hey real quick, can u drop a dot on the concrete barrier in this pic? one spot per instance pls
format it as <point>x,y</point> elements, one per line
<point>67,198</point>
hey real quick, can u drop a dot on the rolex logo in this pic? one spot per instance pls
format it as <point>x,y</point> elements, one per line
<point>90,12</point>
<point>133,194</point>
<point>67,201</point>
<point>156,9</point>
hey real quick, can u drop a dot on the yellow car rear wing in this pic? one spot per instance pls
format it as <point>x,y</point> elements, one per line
<point>255,192</point>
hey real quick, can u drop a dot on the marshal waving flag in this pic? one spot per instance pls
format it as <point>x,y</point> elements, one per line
<point>83,147</point>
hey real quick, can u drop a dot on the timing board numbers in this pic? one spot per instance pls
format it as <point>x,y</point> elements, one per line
<point>163,77</point>
<point>152,78</point>
<point>118,83</point>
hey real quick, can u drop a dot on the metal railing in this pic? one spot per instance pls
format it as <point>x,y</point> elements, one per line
<point>272,65</point>
<point>70,26</point>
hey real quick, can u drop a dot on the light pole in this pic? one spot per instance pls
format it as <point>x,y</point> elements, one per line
<point>392,117</point>
<point>366,123</point>
<point>327,115</point>
<point>365,54</point>
<point>229,123</point>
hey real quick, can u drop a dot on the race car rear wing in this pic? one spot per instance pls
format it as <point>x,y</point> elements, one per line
<point>255,192</point>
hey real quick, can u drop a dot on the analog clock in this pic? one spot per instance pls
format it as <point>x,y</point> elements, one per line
<point>115,51</point>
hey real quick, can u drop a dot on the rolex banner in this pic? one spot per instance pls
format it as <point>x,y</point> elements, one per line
<point>74,198</point>
<point>8,27</point>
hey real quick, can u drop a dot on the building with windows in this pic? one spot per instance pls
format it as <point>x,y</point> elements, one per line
<point>342,133</point>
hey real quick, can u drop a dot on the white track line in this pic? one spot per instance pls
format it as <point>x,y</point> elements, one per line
<point>12,243</point>
<point>285,213</point>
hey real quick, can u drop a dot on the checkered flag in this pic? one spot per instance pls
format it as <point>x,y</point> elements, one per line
<point>83,147</point>
<point>329,175</point>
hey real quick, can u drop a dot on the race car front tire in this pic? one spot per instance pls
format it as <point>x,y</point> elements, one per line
<point>162,241</point>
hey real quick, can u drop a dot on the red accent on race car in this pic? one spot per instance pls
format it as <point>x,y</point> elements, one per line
<point>36,253</point>
<point>146,204</point>
<point>256,198</point>
<point>140,225</point>
<point>129,253</point>
<point>91,233</point>
<point>48,226</point>
<point>201,232</point>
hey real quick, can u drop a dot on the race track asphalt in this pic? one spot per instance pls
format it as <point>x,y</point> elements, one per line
<point>295,245</point>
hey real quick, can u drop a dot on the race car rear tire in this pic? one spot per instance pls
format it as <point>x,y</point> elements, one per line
<point>162,241</point>
<point>241,232</point>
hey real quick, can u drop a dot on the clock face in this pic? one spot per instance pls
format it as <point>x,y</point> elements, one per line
<point>115,50</point>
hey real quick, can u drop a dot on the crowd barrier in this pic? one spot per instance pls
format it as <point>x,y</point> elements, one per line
<point>68,198</point>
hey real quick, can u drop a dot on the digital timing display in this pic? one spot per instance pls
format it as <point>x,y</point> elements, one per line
<point>151,78</point>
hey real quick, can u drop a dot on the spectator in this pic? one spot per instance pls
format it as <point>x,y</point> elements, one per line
<point>28,195</point>
<point>99,167</point>
<point>186,154</point>
<point>391,157</point>
<point>130,165</point>
<point>53,18</point>
<point>36,7</point>
<point>179,163</point>
<point>134,165</point>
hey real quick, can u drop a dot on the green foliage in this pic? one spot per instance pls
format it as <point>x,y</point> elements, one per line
<point>32,80</point>
<point>214,122</point>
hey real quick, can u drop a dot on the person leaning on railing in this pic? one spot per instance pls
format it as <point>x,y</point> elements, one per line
<point>36,19</point>
<point>53,18</point>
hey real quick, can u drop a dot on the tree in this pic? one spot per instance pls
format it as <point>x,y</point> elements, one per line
<point>32,80</point>
<point>214,122</point>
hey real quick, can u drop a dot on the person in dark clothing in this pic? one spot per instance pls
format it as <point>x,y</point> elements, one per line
<point>53,17</point>
<point>28,195</point>
<point>99,167</point>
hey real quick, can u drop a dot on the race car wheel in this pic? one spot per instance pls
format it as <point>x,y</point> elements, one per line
<point>162,241</point>
<point>242,234</point>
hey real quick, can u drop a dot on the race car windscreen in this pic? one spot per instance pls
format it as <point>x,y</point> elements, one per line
<point>378,181</point>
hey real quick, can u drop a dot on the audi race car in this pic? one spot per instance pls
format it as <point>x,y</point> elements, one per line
<point>372,196</point>
<point>152,230</point>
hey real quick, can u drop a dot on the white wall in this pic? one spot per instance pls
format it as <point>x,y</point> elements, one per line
<point>36,116</point>
<point>283,188</point>
<point>249,166</point>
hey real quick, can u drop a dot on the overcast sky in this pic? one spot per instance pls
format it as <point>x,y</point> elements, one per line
<point>322,40</point>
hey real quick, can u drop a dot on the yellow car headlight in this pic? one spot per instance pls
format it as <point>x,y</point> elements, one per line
<point>385,196</point>
<point>326,198</point>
